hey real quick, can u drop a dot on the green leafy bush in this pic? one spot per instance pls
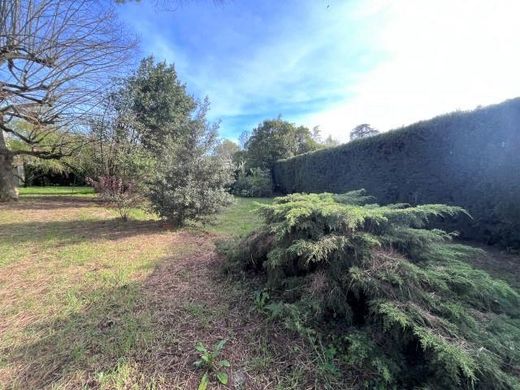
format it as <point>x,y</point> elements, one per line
<point>191,182</point>
<point>470,159</point>
<point>395,297</point>
<point>255,182</point>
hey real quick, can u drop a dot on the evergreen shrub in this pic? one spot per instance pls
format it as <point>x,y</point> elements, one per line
<point>255,182</point>
<point>394,297</point>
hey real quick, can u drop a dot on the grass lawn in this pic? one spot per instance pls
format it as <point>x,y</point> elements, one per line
<point>89,301</point>
<point>239,219</point>
<point>55,190</point>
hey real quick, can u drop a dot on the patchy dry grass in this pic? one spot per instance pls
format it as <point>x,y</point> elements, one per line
<point>89,301</point>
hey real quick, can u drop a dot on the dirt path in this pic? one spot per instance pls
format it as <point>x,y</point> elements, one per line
<point>192,301</point>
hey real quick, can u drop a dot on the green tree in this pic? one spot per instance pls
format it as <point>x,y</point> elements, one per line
<point>154,139</point>
<point>277,139</point>
<point>142,116</point>
<point>227,149</point>
<point>115,143</point>
<point>159,103</point>
<point>191,179</point>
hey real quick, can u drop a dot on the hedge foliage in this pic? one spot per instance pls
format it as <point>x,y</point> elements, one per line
<point>470,159</point>
<point>395,298</point>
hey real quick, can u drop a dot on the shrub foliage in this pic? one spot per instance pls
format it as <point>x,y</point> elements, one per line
<point>393,296</point>
<point>469,159</point>
<point>254,182</point>
<point>117,193</point>
<point>191,182</point>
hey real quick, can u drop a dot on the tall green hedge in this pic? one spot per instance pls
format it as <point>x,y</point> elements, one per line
<point>470,159</point>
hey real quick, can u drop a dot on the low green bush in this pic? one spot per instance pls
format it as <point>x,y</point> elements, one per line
<point>395,298</point>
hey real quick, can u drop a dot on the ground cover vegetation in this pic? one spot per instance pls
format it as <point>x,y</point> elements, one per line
<point>396,301</point>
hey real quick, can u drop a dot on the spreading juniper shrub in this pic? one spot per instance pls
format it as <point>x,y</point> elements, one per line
<point>395,297</point>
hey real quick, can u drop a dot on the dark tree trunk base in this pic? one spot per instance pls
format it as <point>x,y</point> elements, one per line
<point>8,189</point>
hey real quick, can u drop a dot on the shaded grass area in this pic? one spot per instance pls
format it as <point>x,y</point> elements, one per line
<point>499,264</point>
<point>89,301</point>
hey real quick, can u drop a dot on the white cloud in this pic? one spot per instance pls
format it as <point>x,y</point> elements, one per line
<point>441,56</point>
<point>296,60</point>
<point>385,62</point>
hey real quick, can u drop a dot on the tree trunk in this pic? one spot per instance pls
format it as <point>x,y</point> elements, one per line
<point>8,189</point>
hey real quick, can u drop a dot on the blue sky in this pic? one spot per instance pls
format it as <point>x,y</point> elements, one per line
<point>335,63</point>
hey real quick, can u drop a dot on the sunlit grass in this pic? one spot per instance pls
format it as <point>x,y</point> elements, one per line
<point>239,219</point>
<point>70,278</point>
<point>42,191</point>
<point>69,287</point>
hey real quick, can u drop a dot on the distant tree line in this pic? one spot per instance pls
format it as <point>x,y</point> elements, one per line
<point>270,141</point>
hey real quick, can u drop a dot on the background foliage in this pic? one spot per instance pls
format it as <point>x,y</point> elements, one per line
<point>275,139</point>
<point>255,182</point>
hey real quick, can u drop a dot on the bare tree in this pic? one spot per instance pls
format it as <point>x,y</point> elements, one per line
<point>55,58</point>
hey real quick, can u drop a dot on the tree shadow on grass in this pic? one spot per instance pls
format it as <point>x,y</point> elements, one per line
<point>76,231</point>
<point>51,203</point>
<point>143,334</point>
<point>75,348</point>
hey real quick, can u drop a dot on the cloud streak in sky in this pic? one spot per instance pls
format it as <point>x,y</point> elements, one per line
<point>339,63</point>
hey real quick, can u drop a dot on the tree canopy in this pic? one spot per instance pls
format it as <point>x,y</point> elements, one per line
<point>55,56</point>
<point>159,101</point>
<point>362,131</point>
<point>277,139</point>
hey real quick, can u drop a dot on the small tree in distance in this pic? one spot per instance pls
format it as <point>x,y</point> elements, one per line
<point>330,142</point>
<point>363,130</point>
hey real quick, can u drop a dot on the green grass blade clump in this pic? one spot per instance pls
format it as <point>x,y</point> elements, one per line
<point>394,296</point>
